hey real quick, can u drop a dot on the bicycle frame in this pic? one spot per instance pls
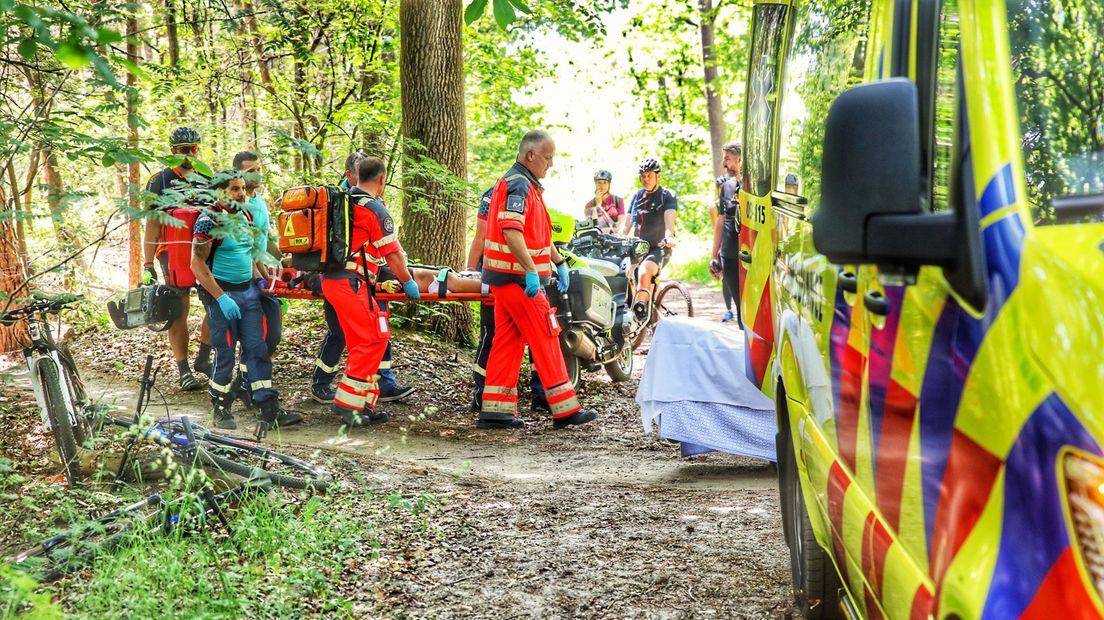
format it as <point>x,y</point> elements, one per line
<point>44,348</point>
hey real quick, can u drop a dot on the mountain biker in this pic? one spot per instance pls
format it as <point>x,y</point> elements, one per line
<point>374,242</point>
<point>726,232</point>
<point>609,214</point>
<point>333,343</point>
<point>171,187</point>
<point>652,218</point>
<point>222,261</point>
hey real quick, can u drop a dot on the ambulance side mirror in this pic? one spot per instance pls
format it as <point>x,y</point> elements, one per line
<point>872,208</point>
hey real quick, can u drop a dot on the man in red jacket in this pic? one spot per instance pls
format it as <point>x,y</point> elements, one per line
<point>518,257</point>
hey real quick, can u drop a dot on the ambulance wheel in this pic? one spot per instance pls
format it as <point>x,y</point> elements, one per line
<point>816,584</point>
<point>574,370</point>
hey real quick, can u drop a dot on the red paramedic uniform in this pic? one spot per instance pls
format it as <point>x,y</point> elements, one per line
<point>517,204</point>
<point>350,293</point>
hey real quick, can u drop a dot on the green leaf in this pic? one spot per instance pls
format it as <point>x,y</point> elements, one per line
<point>521,6</point>
<point>474,11</point>
<point>133,68</point>
<point>107,161</point>
<point>202,168</point>
<point>107,36</point>
<point>6,5</point>
<point>27,48</point>
<point>73,55</point>
<point>504,13</point>
<point>103,69</point>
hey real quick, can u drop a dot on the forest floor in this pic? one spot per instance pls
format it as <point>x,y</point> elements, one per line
<point>598,521</point>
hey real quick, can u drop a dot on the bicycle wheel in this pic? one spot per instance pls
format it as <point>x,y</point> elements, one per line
<point>83,430</point>
<point>673,300</point>
<point>60,423</point>
<point>72,549</point>
<point>242,458</point>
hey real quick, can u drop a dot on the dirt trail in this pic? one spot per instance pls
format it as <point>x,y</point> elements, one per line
<point>600,521</point>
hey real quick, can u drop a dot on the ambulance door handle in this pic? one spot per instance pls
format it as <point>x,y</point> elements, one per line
<point>848,282</point>
<point>745,257</point>
<point>876,303</point>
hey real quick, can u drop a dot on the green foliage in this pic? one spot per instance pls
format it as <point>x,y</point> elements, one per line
<point>20,597</point>
<point>696,270</point>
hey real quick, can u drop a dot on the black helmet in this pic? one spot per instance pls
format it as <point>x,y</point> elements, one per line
<point>650,164</point>
<point>603,175</point>
<point>184,136</point>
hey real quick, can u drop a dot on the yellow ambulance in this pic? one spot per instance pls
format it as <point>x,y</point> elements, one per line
<point>923,297</point>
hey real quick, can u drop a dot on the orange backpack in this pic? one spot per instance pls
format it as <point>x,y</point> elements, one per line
<point>313,225</point>
<point>176,240</point>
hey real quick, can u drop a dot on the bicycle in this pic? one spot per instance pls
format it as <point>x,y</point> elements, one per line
<point>59,391</point>
<point>79,545</point>
<point>669,301</point>
<point>194,444</point>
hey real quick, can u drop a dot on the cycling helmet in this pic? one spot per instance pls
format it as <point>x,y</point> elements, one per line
<point>791,179</point>
<point>603,175</point>
<point>650,164</point>
<point>184,136</point>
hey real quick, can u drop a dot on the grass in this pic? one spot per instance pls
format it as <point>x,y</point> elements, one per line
<point>696,270</point>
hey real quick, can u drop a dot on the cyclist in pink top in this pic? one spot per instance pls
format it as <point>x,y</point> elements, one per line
<point>610,213</point>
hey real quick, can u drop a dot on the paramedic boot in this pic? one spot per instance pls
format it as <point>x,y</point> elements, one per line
<point>499,421</point>
<point>240,389</point>
<point>578,418</point>
<point>220,411</point>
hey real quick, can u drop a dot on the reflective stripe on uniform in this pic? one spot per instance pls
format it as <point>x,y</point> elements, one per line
<point>568,406</point>
<point>505,391</point>
<point>558,390</point>
<point>498,406</point>
<point>222,389</point>
<point>494,263</point>
<point>510,215</point>
<point>242,368</point>
<point>356,384</point>
<point>318,363</point>
<point>385,365</point>
<point>385,240</point>
<point>260,385</point>
<point>479,370</point>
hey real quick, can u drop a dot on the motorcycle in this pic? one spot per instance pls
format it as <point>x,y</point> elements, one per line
<point>595,313</point>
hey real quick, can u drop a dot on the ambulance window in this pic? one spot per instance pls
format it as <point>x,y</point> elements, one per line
<point>828,57</point>
<point>1059,74</point>
<point>769,26</point>
<point>946,104</point>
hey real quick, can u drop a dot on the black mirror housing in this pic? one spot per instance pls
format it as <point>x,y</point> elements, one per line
<point>871,169</point>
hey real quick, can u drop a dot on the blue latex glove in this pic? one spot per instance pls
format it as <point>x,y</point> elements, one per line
<point>229,307</point>
<point>262,284</point>
<point>410,287</point>
<point>563,277</point>
<point>532,284</point>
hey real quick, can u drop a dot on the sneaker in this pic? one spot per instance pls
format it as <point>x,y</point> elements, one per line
<point>640,311</point>
<point>578,418</point>
<point>540,405</point>
<point>322,394</point>
<point>188,383</point>
<point>500,423</point>
<point>397,392</point>
<point>728,317</point>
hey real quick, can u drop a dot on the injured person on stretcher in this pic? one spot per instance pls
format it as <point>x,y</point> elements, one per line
<point>439,281</point>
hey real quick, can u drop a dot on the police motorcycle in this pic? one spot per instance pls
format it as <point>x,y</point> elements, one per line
<point>595,314</point>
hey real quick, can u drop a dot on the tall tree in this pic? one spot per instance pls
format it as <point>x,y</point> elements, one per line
<point>134,236</point>
<point>431,70</point>
<point>713,103</point>
<point>12,269</point>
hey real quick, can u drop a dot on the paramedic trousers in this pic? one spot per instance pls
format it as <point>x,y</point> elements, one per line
<point>249,331</point>
<point>328,361</point>
<point>366,336</point>
<point>483,352</point>
<point>520,320</point>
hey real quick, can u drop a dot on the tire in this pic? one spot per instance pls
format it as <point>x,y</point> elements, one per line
<point>241,458</point>
<point>60,423</point>
<point>673,300</point>
<point>574,369</point>
<point>83,431</point>
<point>816,585</point>
<point>621,368</point>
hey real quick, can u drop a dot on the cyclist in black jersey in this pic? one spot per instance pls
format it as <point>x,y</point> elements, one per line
<point>652,218</point>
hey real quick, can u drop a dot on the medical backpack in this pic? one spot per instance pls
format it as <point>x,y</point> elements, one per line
<point>314,226</point>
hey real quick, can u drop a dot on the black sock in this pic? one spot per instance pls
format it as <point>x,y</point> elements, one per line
<point>204,353</point>
<point>182,366</point>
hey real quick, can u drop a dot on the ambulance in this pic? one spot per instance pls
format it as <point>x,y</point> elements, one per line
<point>923,296</point>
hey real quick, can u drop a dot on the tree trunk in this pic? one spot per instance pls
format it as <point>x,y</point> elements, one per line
<point>134,230</point>
<point>431,72</point>
<point>714,105</point>
<point>12,268</point>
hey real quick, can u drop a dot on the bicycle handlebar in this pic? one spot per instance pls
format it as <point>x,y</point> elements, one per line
<point>43,303</point>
